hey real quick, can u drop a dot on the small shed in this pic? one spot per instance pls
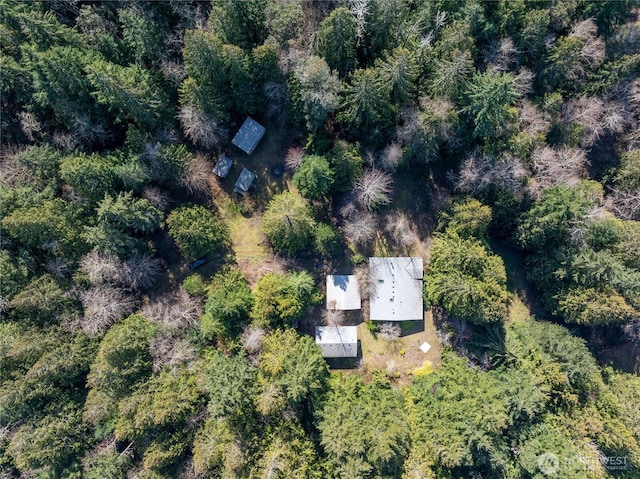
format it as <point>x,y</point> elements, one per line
<point>249,135</point>
<point>395,289</point>
<point>337,342</point>
<point>244,181</point>
<point>223,166</point>
<point>343,292</point>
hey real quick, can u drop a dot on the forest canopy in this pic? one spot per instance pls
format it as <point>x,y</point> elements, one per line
<point>156,324</point>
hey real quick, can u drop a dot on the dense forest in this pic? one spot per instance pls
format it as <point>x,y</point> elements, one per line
<point>499,140</point>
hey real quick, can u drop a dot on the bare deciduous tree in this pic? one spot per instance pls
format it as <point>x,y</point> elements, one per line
<point>401,232</point>
<point>479,172</point>
<point>373,188</point>
<point>200,129</point>
<point>349,209</point>
<point>12,171</point>
<point>360,229</point>
<point>173,71</point>
<point>64,141</point>
<point>252,339</point>
<point>632,330</point>
<point>100,267</point>
<point>501,54</point>
<point>461,329</point>
<point>630,94</point>
<point>551,166</point>
<point>103,305</point>
<point>72,196</point>
<point>333,317</point>
<point>533,121</point>
<point>592,53</point>
<point>179,311</point>
<point>596,116</point>
<point>30,125</point>
<point>138,272</point>
<point>58,267</point>
<point>523,81</point>
<point>579,226</point>
<point>195,175</point>
<point>87,132</point>
<point>4,304</point>
<point>391,157</point>
<point>423,130</point>
<point>277,97</point>
<point>392,368</point>
<point>362,276</point>
<point>293,159</point>
<point>625,204</point>
<point>169,350</point>
<point>157,197</point>
<point>389,331</point>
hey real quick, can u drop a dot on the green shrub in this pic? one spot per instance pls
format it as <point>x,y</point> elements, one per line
<point>196,230</point>
<point>358,258</point>
<point>327,239</point>
<point>194,285</point>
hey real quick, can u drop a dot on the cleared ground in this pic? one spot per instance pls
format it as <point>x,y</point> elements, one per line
<point>399,356</point>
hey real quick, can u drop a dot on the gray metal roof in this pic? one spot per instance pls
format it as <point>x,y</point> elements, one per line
<point>343,292</point>
<point>249,135</point>
<point>395,289</point>
<point>244,181</point>
<point>223,166</point>
<point>337,342</point>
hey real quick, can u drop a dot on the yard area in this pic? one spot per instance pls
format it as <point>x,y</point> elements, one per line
<point>400,356</point>
<point>412,206</point>
<point>243,214</point>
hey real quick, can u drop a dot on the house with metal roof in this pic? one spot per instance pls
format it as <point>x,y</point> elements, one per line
<point>343,292</point>
<point>223,166</point>
<point>337,342</point>
<point>249,135</point>
<point>395,289</point>
<point>244,181</point>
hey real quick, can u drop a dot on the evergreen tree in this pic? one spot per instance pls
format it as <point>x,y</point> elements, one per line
<point>337,41</point>
<point>467,279</point>
<point>314,178</point>
<point>315,91</point>
<point>280,299</point>
<point>228,304</point>
<point>196,230</point>
<point>288,223</point>
<point>491,100</point>
<point>291,372</point>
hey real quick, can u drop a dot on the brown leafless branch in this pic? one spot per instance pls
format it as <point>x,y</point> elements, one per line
<point>360,229</point>
<point>195,176</point>
<point>293,159</point>
<point>179,311</point>
<point>389,331</point>
<point>373,188</point>
<point>200,129</point>
<point>390,157</point>
<point>103,305</point>
<point>170,351</point>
